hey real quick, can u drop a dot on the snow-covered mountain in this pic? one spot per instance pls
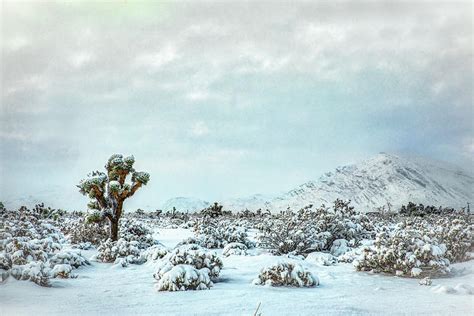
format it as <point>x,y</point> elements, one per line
<point>377,181</point>
<point>185,204</point>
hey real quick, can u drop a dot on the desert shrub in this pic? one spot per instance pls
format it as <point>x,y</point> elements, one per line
<point>155,252</point>
<point>20,251</point>
<point>5,261</point>
<point>213,211</point>
<point>311,230</point>
<point>425,281</point>
<point>71,258</point>
<point>411,209</point>
<point>183,277</point>
<point>211,234</point>
<point>189,241</point>
<point>79,231</point>
<point>404,253</point>
<point>63,271</point>
<point>120,252</point>
<point>48,212</point>
<point>83,245</point>
<point>193,255</point>
<point>288,234</point>
<point>30,247</point>
<point>132,230</point>
<point>321,259</point>
<point>417,244</point>
<point>355,252</point>
<point>456,234</point>
<point>286,274</point>
<point>340,247</point>
<point>189,267</point>
<point>34,271</point>
<point>25,237</point>
<point>235,248</point>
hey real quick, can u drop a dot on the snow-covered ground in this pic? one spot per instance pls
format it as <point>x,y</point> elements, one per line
<point>106,289</point>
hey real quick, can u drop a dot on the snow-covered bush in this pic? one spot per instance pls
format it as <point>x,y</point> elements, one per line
<point>235,248</point>
<point>30,247</point>
<point>425,281</point>
<point>213,211</point>
<point>83,245</point>
<point>79,231</point>
<point>183,277</point>
<point>63,271</point>
<point>286,274</point>
<point>311,230</point>
<point>132,230</point>
<point>456,234</point>
<point>120,252</point>
<point>193,255</point>
<point>189,241</point>
<point>189,267</point>
<point>339,247</point>
<point>411,209</point>
<point>34,271</point>
<point>417,244</point>
<point>48,212</point>
<point>155,252</point>
<point>404,253</point>
<point>354,253</point>
<point>288,234</point>
<point>211,233</point>
<point>72,258</point>
<point>321,259</point>
<point>25,246</point>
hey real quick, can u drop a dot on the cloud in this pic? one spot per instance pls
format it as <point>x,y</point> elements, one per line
<point>199,129</point>
<point>157,59</point>
<point>284,90</point>
<point>80,59</point>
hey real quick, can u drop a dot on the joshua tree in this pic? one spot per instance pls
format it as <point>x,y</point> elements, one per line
<point>109,190</point>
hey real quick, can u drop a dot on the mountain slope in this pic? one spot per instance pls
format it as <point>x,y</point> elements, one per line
<point>380,180</point>
<point>185,204</point>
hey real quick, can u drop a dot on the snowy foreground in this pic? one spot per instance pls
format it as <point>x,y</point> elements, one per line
<point>107,289</point>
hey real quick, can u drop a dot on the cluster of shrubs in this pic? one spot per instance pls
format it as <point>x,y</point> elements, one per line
<point>31,247</point>
<point>257,214</point>
<point>421,242</point>
<point>80,232</point>
<point>412,209</point>
<point>135,239</point>
<point>309,230</point>
<point>213,233</point>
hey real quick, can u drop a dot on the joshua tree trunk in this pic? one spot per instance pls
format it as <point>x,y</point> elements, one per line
<point>114,221</point>
<point>114,229</point>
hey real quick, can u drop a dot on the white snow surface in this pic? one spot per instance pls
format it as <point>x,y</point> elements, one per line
<point>101,289</point>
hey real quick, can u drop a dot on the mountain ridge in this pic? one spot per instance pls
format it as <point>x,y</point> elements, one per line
<point>378,181</point>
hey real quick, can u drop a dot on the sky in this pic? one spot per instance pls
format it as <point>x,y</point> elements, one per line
<point>227,99</point>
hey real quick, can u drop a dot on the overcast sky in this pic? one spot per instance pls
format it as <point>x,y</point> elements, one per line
<point>222,100</point>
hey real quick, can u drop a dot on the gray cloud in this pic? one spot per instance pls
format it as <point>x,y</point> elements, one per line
<point>221,99</point>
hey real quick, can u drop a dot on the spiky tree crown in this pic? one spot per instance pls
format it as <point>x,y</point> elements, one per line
<point>108,190</point>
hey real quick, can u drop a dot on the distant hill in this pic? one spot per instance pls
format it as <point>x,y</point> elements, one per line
<point>377,181</point>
